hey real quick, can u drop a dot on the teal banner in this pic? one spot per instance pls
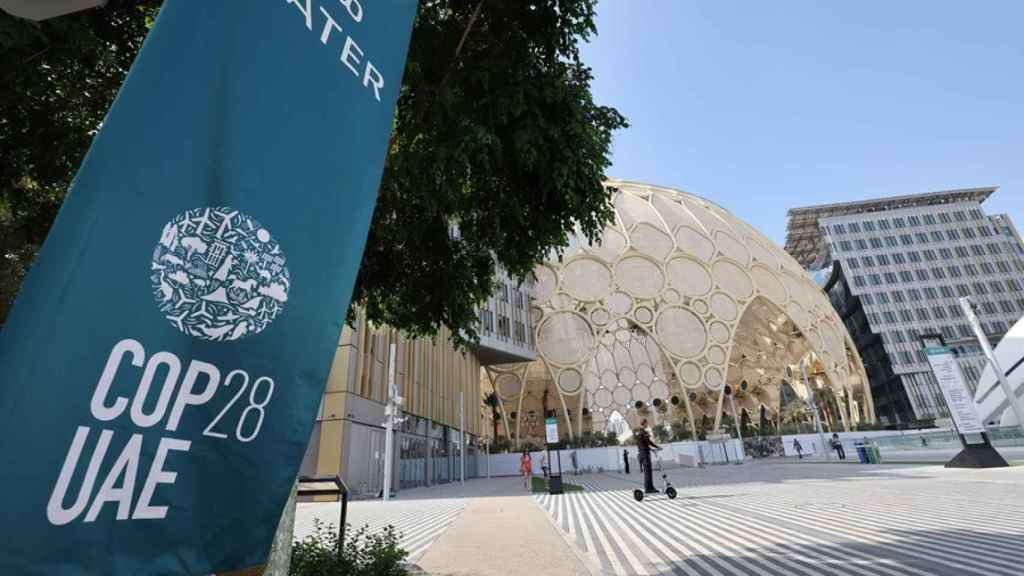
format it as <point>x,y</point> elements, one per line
<point>161,370</point>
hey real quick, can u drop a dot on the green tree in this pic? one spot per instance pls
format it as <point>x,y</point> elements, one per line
<point>57,80</point>
<point>492,402</point>
<point>496,157</point>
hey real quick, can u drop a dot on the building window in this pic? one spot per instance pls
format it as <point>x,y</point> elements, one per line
<point>977,250</point>
<point>954,271</point>
<point>996,285</point>
<point>845,245</point>
<point>890,277</point>
<point>962,252</point>
<point>868,261</point>
<point>861,244</point>
<point>922,275</point>
<point>952,235</point>
<point>883,259</point>
<point>969,233</point>
<point>938,273</point>
<point>899,258</point>
<point>985,231</point>
<point>883,224</point>
<point>963,290</point>
<point>945,253</point>
<point>869,226</point>
<point>914,220</point>
<point>906,276</point>
<point>875,279</point>
<point>944,218</point>
<point>854,228</point>
<point>931,293</point>
<point>987,268</point>
<point>897,296</point>
<point>937,235</point>
<point>914,257</point>
<point>980,288</point>
<point>876,243</point>
<point>890,241</point>
<point>858,281</point>
<point>946,291</point>
<point>929,219</point>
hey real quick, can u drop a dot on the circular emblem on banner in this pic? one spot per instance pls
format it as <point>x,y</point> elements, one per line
<point>218,274</point>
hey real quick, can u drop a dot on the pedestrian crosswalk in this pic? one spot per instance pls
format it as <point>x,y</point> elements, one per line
<point>782,519</point>
<point>418,522</point>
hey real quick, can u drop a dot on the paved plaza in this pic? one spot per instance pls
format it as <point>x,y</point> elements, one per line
<point>772,518</point>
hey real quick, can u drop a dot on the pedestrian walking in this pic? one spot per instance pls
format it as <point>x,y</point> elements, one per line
<point>837,445</point>
<point>544,465</point>
<point>526,468</point>
<point>799,449</point>
<point>625,460</point>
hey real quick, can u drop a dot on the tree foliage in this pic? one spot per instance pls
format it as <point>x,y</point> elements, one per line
<point>495,135</point>
<point>496,132</point>
<point>57,80</point>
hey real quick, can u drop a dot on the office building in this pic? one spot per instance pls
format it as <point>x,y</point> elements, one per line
<point>908,259</point>
<point>436,381</point>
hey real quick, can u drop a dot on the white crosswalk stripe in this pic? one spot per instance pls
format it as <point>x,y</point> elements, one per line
<point>417,522</point>
<point>779,519</point>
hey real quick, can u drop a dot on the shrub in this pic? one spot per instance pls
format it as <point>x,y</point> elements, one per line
<point>363,554</point>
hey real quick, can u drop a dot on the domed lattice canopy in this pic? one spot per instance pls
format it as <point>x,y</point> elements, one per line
<point>678,299</point>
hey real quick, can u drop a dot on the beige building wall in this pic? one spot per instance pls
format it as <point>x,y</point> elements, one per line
<point>429,373</point>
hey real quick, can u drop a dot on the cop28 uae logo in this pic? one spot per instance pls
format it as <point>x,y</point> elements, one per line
<point>218,274</point>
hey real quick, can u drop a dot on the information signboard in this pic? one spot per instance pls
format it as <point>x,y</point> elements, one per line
<point>551,430</point>
<point>954,390</point>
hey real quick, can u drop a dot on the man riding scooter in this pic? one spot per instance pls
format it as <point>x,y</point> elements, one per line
<point>644,446</point>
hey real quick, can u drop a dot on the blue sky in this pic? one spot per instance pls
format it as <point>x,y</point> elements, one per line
<point>762,106</point>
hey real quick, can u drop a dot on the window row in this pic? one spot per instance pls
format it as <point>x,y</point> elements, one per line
<point>899,222</point>
<point>878,243</point>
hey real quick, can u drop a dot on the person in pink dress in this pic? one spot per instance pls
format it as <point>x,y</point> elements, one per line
<point>526,468</point>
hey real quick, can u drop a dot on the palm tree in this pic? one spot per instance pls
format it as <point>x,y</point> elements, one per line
<point>491,400</point>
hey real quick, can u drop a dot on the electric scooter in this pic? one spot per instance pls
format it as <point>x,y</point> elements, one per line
<point>666,486</point>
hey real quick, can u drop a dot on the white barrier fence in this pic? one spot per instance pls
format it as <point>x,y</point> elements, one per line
<point>674,454</point>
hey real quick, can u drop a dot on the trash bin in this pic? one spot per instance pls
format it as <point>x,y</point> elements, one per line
<point>555,484</point>
<point>862,453</point>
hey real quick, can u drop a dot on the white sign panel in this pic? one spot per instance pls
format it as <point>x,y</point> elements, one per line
<point>958,397</point>
<point>551,430</point>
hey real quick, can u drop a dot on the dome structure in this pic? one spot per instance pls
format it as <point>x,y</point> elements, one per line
<point>678,305</point>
